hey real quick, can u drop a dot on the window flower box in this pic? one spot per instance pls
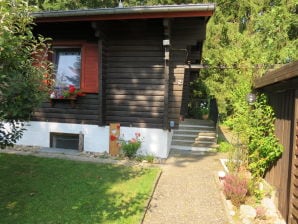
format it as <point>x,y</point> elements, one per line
<point>69,93</point>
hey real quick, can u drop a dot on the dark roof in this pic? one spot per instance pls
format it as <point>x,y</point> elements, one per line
<point>284,73</point>
<point>160,11</point>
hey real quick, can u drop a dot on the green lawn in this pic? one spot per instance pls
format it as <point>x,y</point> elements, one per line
<point>44,190</point>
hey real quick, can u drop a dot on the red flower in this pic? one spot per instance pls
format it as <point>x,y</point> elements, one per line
<point>72,88</point>
<point>113,138</point>
<point>138,134</point>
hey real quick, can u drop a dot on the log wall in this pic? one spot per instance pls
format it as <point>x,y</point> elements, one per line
<point>134,75</point>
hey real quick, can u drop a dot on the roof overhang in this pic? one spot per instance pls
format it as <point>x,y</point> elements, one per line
<point>144,12</point>
<point>287,72</point>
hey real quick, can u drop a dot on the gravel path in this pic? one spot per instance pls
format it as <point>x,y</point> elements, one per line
<point>187,191</point>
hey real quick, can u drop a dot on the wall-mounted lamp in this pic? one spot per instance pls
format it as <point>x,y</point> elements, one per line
<point>251,98</point>
<point>166,42</point>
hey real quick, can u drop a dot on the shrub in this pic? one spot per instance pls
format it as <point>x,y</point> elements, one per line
<point>130,147</point>
<point>235,189</point>
<point>263,148</point>
<point>225,147</point>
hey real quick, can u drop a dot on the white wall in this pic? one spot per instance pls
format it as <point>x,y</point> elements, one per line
<point>96,139</point>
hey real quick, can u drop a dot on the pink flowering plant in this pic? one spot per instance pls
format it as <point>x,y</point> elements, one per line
<point>130,147</point>
<point>235,189</point>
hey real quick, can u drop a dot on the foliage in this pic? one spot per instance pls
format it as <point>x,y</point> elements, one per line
<point>255,127</point>
<point>235,188</point>
<point>21,82</point>
<point>47,190</point>
<point>198,107</point>
<point>130,147</point>
<point>225,147</point>
<point>244,39</point>
<point>263,148</point>
<point>148,158</point>
<point>10,132</point>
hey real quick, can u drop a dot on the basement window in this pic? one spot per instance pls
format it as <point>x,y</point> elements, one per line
<point>66,141</point>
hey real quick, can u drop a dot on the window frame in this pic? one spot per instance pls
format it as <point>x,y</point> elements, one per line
<point>88,50</point>
<point>55,57</point>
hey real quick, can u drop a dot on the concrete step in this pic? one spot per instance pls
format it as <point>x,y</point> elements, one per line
<point>193,132</point>
<point>195,144</point>
<point>196,127</point>
<point>184,137</point>
<point>195,135</point>
<point>205,139</point>
<point>196,122</point>
<point>183,140</point>
<point>191,148</point>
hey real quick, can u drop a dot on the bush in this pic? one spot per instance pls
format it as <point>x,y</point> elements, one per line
<point>235,189</point>
<point>130,147</point>
<point>225,147</point>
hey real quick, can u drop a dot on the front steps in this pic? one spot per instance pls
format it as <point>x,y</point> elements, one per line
<point>195,135</point>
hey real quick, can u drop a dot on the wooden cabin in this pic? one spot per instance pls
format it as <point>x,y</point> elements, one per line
<point>281,87</point>
<point>133,66</point>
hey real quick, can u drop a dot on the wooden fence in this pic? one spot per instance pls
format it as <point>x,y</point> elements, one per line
<point>281,87</point>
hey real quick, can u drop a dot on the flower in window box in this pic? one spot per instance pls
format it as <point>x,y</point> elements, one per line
<point>70,92</point>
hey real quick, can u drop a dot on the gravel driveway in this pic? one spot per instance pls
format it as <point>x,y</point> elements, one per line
<point>187,191</point>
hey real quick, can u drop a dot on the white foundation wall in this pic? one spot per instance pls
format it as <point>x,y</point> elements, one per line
<point>156,142</point>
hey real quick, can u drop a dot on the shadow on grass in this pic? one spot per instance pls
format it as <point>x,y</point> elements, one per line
<point>43,190</point>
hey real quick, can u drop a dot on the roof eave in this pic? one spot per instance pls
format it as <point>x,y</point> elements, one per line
<point>171,11</point>
<point>284,73</point>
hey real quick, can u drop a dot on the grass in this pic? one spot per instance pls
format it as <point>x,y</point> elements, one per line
<point>44,190</point>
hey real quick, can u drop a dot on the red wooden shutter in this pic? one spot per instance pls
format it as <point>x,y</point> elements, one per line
<point>90,58</point>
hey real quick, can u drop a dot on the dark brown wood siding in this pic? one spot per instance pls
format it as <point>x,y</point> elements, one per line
<point>293,197</point>
<point>83,111</point>
<point>279,174</point>
<point>134,78</point>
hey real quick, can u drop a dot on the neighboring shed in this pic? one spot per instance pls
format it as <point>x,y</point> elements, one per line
<point>135,67</point>
<point>281,87</point>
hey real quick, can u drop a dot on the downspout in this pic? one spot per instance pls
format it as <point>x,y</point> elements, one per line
<point>166,44</point>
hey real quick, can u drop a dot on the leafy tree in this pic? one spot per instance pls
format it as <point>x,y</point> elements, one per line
<point>245,39</point>
<point>22,83</point>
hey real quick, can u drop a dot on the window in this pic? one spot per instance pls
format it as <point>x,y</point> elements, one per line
<point>66,141</point>
<point>67,67</point>
<point>76,63</point>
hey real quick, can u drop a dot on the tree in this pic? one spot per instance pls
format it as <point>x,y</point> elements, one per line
<point>22,83</point>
